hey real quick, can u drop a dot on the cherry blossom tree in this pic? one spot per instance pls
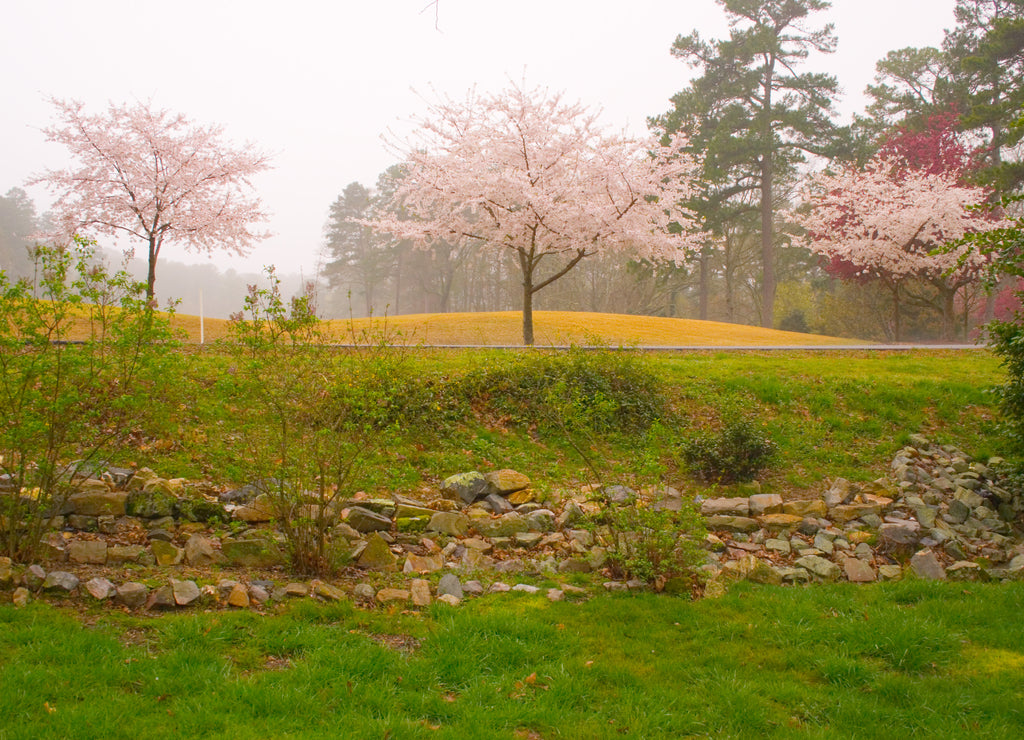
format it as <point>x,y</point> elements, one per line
<point>154,176</point>
<point>892,223</point>
<point>527,172</point>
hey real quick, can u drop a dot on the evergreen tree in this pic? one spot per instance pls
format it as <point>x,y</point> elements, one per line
<point>752,115</point>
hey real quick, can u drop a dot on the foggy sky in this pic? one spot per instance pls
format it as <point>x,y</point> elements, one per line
<point>317,83</point>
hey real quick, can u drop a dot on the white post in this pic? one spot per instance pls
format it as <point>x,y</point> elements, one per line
<point>202,326</point>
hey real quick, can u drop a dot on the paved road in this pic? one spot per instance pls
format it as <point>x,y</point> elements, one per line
<point>729,348</point>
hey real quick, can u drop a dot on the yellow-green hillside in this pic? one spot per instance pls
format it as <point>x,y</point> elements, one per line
<point>550,327</point>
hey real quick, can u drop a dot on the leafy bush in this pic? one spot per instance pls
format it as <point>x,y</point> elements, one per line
<point>735,454</point>
<point>80,350</point>
<point>653,545</point>
<point>596,391</point>
<point>317,414</point>
<point>1007,341</point>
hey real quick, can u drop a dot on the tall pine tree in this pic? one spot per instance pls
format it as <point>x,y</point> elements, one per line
<point>752,115</point>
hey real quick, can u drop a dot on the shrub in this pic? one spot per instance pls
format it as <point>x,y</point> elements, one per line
<point>592,390</point>
<point>653,545</point>
<point>735,454</point>
<point>317,414</point>
<point>80,349</point>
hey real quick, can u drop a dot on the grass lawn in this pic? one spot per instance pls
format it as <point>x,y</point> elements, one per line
<point>889,660</point>
<point>830,413</point>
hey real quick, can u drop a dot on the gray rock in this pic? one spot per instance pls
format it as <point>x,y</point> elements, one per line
<point>364,592</point>
<point>166,553</point>
<point>765,503</point>
<point>619,494</point>
<point>97,503</point>
<point>132,595</point>
<point>449,585</point>
<point>465,487</point>
<point>903,533</point>
<point>87,552</point>
<point>199,550</point>
<point>364,520</point>
<point>449,522</point>
<point>150,504</point>
<point>726,506</point>
<point>161,598</point>
<point>541,520</point>
<point>498,504</point>
<point>58,581</point>
<point>527,539</point>
<point>526,588</point>
<point>185,592</point>
<point>776,545</point>
<point>858,571</point>
<point>100,588</point>
<point>820,567</point>
<point>572,514</point>
<point>251,552</point>
<point>503,526</point>
<point>732,524</point>
<point>377,555</point>
<point>925,565</point>
<point>823,542</point>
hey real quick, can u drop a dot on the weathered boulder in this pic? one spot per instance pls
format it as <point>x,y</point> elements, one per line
<point>97,503</point>
<point>364,520</point>
<point>200,551</point>
<point>377,555</point>
<point>251,552</point>
<point>505,482</point>
<point>465,487</point>
<point>87,552</point>
<point>452,523</point>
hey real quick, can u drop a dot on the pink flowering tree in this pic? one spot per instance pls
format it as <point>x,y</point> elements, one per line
<point>156,177</point>
<point>526,173</point>
<point>894,224</point>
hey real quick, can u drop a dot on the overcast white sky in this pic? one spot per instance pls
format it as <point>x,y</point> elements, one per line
<point>316,83</point>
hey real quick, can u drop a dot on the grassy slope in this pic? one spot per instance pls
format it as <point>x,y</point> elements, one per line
<point>550,327</point>
<point>832,414</point>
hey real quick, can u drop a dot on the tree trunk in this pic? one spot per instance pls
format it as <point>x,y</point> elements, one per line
<point>767,232</point>
<point>154,251</point>
<point>767,250</point>
<point>528,310</point>
<point>704,288</point>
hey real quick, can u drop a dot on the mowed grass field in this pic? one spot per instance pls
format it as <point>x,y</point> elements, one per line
<point>560,328</point>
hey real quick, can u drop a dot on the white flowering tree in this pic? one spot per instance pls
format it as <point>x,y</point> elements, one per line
<point>891,223</point>
<point>525,172</point>
<point>153,176</point>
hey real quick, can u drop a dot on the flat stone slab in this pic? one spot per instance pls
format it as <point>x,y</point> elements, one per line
<point>728,506</point>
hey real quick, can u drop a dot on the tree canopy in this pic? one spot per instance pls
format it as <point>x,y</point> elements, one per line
<point>154,176</point>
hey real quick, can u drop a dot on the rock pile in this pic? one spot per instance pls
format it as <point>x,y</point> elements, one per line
<point>939,515</point>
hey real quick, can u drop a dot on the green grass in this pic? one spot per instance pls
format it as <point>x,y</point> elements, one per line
<point>913,658</point>
<point>831,414</point>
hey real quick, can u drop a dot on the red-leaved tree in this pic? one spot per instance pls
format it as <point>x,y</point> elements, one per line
<point>892,223</point>
<point>154,176</point>
<point>527,173</point>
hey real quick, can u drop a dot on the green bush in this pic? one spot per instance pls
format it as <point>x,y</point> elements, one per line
<point>735,454</point>
<point>596,391</point>
<point>80,353</point>
<point>653,545</point>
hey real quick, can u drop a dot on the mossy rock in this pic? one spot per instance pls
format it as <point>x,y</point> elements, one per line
<point>151,504</point>
<point>199,510</point>
<point>412,523</point>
